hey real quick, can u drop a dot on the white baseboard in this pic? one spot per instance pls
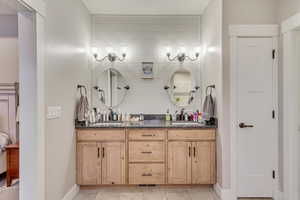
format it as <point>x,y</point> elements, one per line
<point>224,194</point>
<point>72,193</point>
<point>218,189</point>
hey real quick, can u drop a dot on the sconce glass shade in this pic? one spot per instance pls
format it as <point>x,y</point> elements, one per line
<point>124,50</point>
<point>95,50</point>
<point>168,50</point>
<point>109,50</point>
<point>198,50</point>
<point>182,50</point>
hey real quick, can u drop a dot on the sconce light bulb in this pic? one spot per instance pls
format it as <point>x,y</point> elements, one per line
<point>168,50</point>
<point>110,50</point>
<point>124,50</point>
<point>182,50</point>
<point>94,50</point>
<point>211,49</point>
<point>198,50</point>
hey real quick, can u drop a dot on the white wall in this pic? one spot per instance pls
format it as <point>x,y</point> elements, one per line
<point>68,26</point>
<point>147,38</point>
<point>9,49</point>
<point>211,32</point>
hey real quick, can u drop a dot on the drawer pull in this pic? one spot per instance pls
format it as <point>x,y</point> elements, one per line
<point>149,135</point>
<point>147,174</point>
<point>189,151</point>
<point>194,151</point>
<point>147,152</point>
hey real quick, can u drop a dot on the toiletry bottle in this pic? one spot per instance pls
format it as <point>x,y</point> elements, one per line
<point>174,117</point>
<point>115,116</point>
<point>141,117</point>
<point>181,116</point>
<point>168,116</point>
<point>186,117</point>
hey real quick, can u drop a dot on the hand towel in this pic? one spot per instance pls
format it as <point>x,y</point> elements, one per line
<point>82,109</point>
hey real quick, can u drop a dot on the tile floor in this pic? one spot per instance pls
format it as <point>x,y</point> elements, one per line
<point>148,193</point>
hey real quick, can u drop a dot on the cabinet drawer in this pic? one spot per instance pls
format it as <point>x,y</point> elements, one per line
<point>146,151</point>
<point>101,135</point>
<point>187,134</point>
<point>146,134</point>
<point>146,174</point>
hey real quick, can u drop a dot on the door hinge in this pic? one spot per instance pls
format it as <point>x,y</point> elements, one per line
<point>273,174</point>
<point>273,114</point>
<point>274,54</point>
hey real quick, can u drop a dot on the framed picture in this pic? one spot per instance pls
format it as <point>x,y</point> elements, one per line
<point>147,70</point>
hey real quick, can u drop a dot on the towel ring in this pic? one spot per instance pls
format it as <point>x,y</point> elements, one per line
<point>80,89</point>
<point>211,87</point>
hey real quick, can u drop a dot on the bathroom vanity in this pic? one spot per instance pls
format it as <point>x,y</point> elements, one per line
<point>148,152</point>
<point>143,154</point>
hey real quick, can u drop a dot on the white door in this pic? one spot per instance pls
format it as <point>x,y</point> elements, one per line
<point>256,133</point>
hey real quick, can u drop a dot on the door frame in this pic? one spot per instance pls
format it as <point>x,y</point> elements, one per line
<point>31,28</point>
<point>288,29</point>
<point>246,31</point>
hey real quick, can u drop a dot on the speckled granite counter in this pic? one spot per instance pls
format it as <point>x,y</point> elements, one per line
<point>148,124</point>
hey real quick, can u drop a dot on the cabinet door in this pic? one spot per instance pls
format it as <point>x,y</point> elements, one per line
<point>113,163</point>
<point>179,162</point>
<point>203,163</point>
<point>88,163</point>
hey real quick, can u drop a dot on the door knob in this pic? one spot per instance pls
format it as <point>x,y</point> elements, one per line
<point>243,125</point>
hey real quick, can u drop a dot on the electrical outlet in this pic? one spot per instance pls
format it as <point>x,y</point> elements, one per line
<point>53,112</point>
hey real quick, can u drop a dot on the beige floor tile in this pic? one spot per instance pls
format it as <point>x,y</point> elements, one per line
<point>148,193</point>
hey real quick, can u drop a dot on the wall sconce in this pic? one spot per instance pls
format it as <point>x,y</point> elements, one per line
<point>181,56</point>
<point>111,56</point>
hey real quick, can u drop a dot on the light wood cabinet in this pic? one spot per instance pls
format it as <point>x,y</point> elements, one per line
<point>150,173</point>
<point>146,134</point>
<point>100,163</point>
<point>191,162</point>
<point>179,162</point>
<point>88,163</point>
<point>113,163</point>
<point>146,156</point>
<point>146,151</point>
<point>203,162</point>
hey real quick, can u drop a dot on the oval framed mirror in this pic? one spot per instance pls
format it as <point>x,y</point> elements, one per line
<point>111,87</point>
<point>182,87</point>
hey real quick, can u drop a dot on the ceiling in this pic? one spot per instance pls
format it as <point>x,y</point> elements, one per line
<point>146,7</point>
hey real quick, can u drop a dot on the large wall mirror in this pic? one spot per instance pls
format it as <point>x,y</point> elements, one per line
<point>182,87</point>
<point>111,87</point>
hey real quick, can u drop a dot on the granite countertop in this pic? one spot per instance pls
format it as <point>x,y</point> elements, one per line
<point>148,124</point>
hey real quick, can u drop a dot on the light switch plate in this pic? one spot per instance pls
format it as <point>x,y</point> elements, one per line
<point>53,112</point>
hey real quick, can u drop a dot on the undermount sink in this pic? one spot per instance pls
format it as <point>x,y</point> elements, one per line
<point>107,124</point>
<point>186,123</point>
